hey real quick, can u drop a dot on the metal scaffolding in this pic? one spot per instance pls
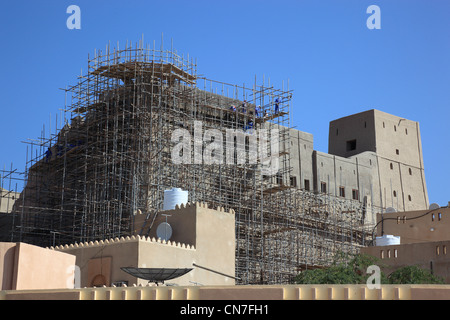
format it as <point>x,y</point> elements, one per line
<point>111,156</point>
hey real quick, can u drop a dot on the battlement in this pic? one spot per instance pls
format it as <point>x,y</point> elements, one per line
<point>116,240</point>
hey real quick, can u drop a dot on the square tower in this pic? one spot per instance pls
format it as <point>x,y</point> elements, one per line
<point>397,144</point>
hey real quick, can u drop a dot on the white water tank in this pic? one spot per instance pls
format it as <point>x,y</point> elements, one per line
<point>387,240</point>
<point>173,197</point>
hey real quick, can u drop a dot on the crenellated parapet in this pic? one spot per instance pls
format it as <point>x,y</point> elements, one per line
<point>112,241</point>
<point>201,205</point>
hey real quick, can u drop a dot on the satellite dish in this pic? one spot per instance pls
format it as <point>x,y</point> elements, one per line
<point>434,206</point>
<point>156,274</point>
<point>164,231</point>
<point>390,210</point>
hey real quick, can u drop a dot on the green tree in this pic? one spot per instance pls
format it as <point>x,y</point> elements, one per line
<point>345,269</point>
<point>351,269</point>
<point>414,275</point>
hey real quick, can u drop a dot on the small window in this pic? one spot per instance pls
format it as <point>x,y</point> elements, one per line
<point>342,192</point>
<point>355,194</point>
<point>307,185</point>
<point>391,166</point>
<point>384,125</point>
<point>294,182</point>
<point>337,132</point>
<point>432,217</point>
<point>365,124</point>
<point>323,187</point>
<point>439,216</point>
<point>397,152</point>
<point>394,193</point>
<point>398,219</point>
<point>437,250</point>
<point>406,131</point>
<point>351,145</point>
<point>410,171</point>
<point>382,254</point>
<point>279,179</point>
<point>409,197</point>
<point>444,249</point>
<point>395,253</point>
<point>395,128</point>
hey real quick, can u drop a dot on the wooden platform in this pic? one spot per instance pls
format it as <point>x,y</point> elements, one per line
<point>129,70</point>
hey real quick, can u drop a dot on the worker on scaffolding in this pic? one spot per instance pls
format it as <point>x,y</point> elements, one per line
<point>277,105</point>
<point>244,106</point>
<point>257,110</point>
<point>249,126</point>
<point>233,108</point>
<point>48,155</point>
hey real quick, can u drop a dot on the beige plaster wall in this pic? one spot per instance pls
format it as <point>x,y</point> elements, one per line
<point>211,232</point>
<point>260,293</point>
<point>7,253</point>
<point>40,268</point>
<point>113,254</point>
<point>165,255</point>
<point>424,240</point>
<point>25,266</point>
<point>216,245</point>
<point>432,256</point>
<point>300,153</point>
<point>416,226</point>
<point>211,244</point>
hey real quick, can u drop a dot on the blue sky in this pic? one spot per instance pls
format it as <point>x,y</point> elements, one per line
<point>334,63</point>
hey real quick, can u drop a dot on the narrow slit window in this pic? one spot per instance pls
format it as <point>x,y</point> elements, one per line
<point>342,192</point>
<point>355,194</point>
<point>306,184</point>
<point>294,182</point>
<point>323,187</point>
